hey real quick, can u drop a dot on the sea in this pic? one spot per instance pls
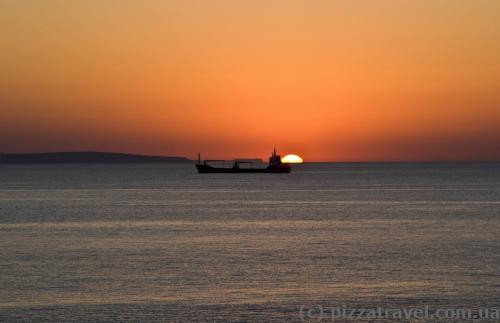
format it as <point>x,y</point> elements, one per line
<point>162,243</point>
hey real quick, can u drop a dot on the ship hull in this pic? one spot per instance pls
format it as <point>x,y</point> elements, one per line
<point>210,169</point>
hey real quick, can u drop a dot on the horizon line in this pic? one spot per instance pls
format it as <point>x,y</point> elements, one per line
<point>306,162</point>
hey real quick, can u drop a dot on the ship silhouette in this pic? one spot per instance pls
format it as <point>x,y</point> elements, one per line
<point>275,166</point>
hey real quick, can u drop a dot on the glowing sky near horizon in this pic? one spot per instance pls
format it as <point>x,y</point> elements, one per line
<point>328,80</point>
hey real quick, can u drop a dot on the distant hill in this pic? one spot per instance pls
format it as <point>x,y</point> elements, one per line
<point>85,157</point>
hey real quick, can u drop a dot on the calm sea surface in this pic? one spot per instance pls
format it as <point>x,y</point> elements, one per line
<point>159,242</point>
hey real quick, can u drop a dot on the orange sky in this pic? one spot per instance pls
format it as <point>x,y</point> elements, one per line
<point>327,80</point>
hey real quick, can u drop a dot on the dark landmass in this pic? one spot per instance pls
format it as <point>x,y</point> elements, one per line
<point>85,157</point>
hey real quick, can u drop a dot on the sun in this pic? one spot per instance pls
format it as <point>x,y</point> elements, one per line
<point>292,159</point>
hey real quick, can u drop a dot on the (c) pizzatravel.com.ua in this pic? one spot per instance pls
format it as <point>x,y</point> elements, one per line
<point>320,313</point>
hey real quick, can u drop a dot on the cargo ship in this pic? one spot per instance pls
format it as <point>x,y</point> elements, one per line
<point>275,166</point>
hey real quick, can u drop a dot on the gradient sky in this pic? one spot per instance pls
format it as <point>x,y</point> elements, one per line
<point>327,80</point>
